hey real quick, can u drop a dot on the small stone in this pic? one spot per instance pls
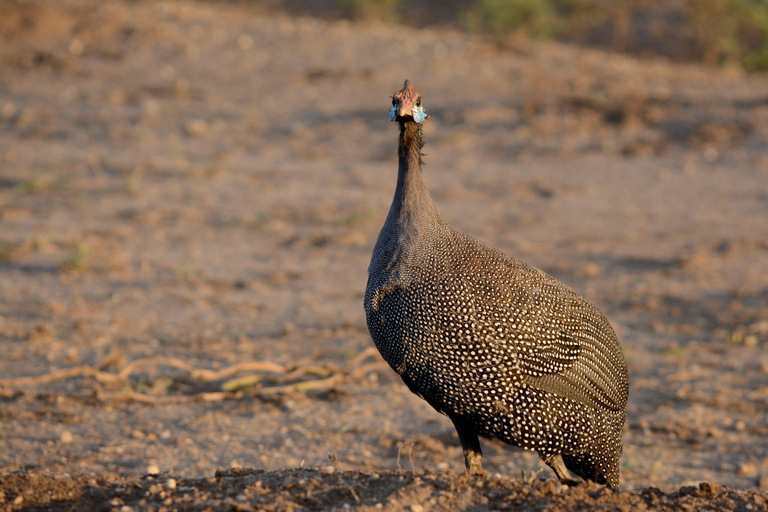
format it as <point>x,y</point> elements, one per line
<point>747,469</point>
<point>328,470</point>
<point>591,269</point>
<point>153,469</point>
<point>165,434</point>
<point>67,437</point>
<point>9,110</point>
<point>245,42</point>
<point>417,508</point>
<point>710,154</point>
<point>707,488</point>
<point>19,500</point>
<point>196,127</point>
<point>76,47</point>
<point>171,483</point>
<point>118,97</point>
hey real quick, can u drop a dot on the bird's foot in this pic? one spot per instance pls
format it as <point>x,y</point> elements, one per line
<point>473,461</point>
<point>572,482</point>
<point>477,472</point>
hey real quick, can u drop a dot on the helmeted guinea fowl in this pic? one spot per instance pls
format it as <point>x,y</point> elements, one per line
<point>503,349</point>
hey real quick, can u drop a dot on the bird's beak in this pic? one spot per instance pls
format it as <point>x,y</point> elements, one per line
<point>404,106</point>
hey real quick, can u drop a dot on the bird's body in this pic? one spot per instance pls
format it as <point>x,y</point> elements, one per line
<point>503,349</point>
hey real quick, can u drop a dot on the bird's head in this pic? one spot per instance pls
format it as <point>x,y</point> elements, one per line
<point>406,105</point>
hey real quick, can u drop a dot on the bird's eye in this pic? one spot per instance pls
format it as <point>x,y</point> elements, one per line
<point>418,102</point>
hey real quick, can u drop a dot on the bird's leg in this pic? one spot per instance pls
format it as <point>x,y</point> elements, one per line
<point>470,443</point>
<point>558,466</point>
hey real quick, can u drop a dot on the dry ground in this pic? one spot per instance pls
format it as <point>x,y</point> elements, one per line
<point>202,184</point>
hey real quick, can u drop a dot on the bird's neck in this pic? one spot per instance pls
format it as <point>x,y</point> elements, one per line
<point>412,207</point>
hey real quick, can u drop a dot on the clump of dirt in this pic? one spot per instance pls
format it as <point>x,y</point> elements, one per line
<point>329,489</point>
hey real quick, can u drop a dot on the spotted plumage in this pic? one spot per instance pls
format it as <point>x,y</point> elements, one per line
<point>503,349</point>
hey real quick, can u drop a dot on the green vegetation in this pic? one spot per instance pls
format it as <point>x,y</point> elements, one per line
<point>7,251</point>
<point>723,32</point>
<point>184,270</point>
<point>359,217</point>
<point>372,10</point>
<point>79,260</point>
<point>34,184</point>
<point>731,31</point>
<point>534,18</point>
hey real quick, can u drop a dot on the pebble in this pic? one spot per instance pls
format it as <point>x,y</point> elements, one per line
<point>245,42</point>
<point>9,110</point>
<point>747,469</point>
<point>417,508</point>
<point>67,437</point>
<point>197,127</point>
<point>153,469</point>
<point>76,47</point>
<point>328,470</point>
<point>171,483</point>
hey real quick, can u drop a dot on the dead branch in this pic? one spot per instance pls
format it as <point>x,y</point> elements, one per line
<point>83,370</point>
<point>133,396</point>
<point>329,377</point>
<point>307,385</point>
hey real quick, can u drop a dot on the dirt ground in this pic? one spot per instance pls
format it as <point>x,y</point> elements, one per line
<point>189,196</point>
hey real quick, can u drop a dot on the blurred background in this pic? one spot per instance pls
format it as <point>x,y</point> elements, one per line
<point>714,32</point>
<point>190,192</point>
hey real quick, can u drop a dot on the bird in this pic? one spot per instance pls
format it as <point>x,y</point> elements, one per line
<point>501,348</point>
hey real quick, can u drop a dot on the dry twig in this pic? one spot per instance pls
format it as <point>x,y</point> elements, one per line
<point>329,377</point>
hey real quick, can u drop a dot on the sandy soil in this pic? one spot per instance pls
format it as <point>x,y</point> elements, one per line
<point>202,184</point>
